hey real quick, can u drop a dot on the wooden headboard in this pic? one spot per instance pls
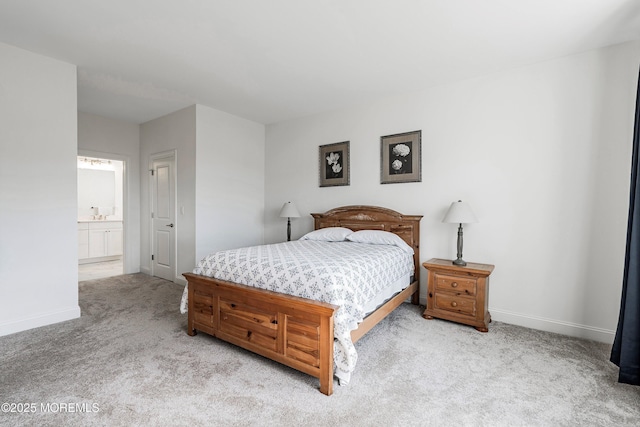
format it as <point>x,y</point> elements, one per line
<point>375,218</point>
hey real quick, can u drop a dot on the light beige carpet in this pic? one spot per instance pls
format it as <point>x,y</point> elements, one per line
<point>128,361</point>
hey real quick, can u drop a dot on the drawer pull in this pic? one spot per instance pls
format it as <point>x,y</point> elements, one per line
<point>454,304</point>
<point>454,285</point>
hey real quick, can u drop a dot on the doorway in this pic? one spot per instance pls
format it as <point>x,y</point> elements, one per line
<point>100,217</point>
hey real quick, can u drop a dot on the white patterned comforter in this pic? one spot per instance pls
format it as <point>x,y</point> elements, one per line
<point>345,274</point>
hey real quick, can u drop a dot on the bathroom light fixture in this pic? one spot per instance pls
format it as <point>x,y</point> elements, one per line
<point>94,162</point>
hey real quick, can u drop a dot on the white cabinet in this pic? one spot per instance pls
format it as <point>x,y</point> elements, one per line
<point>114,241</point>
<point>83,240</point>
<point>97,243</point>
<point>103,239</point>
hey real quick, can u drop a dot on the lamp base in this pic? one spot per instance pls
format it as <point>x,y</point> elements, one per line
<point>459,261</point>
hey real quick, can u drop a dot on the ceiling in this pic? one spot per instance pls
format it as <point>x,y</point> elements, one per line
<point>273,60</point>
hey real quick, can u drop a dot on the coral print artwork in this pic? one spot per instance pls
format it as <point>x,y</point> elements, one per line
<point>334,164</point>
<point>400,158</point>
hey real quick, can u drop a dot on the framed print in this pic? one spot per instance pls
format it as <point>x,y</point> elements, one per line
<point>334,164</point>
<point>400,157</point>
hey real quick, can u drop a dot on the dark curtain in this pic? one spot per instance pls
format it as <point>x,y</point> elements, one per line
<point>626,346</point>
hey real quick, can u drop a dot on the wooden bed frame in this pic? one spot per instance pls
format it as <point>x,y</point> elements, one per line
<point>294,331</point>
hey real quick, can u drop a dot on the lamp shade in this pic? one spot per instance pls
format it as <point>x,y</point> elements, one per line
<point>289,210</point>
<point>460,213</point>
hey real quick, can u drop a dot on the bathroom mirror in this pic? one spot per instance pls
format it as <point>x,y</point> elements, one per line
<point>96,188</point>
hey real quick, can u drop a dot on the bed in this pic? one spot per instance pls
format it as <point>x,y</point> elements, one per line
<point>293,330</point>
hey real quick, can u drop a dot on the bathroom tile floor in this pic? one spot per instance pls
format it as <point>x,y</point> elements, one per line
<point>99,270</point>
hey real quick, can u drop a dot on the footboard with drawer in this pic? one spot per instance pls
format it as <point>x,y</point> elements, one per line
<point>294,331</point>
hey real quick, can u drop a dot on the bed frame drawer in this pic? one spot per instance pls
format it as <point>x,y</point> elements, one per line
<point>203,310</point>
<point>302,341</point>
<point>249,323</point>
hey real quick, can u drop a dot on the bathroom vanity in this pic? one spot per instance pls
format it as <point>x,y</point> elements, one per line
<point>99,240</point>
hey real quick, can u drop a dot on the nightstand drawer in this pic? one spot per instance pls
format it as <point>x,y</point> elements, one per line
<point>456,304</point>
<point>456,284</point>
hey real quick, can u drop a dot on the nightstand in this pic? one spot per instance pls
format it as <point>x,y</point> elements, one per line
<point>459,294</point>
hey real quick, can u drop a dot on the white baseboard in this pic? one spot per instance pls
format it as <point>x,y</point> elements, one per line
<point>556,326</point>
<point>549,325</point>
<point>145,270</point>
<point>43,319</point>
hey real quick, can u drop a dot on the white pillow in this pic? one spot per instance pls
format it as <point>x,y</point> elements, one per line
<point>329,234</point>
<point>379,237</point>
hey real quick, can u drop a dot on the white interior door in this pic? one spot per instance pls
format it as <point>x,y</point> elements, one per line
<point>163,257</point>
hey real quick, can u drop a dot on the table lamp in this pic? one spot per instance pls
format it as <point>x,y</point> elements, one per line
<point>459,213</point>
<point>289,211</point>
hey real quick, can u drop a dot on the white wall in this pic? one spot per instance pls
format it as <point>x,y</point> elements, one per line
<point>175,131</point>
<point>220,172</point>
<point>229,181</point>
<point>114,139</point>
<point>38,147</point>
<point>541,153</point>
